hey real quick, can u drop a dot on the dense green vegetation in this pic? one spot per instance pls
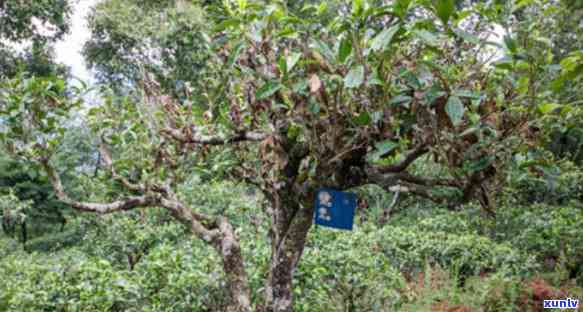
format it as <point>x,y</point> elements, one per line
<point>421,257</point>
<point>188,181</point>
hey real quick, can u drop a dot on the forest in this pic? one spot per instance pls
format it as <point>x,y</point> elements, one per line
<point>305,155</point>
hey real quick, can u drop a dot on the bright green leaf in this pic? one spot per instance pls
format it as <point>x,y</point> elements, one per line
<point>383,39</point>
<point>344,50</point>
<point>357,7</point>
<point>523,85</point>
<point>444,10</point>
<point>282,65</point>
<point>548,107</point>
<point>363,119</point>
<point>510,44</point>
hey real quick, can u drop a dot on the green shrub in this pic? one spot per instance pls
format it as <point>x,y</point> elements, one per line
<point>55,241</point>
<point>553,234</point>
<point>343,271</point>
<point>555,184</point>
<point>8,246</point>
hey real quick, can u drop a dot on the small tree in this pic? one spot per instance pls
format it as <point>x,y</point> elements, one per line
<point>345,96</point>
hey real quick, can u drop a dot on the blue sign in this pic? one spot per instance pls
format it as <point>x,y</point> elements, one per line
<point>335,209</point>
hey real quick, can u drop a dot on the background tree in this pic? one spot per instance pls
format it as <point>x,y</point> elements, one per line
<point>162,38</point>
<point>27,29</point>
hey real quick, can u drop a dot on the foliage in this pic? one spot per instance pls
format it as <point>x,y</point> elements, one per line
<point>416,260</point>
<point>45,212</point>
<point>39,22</point>
<point>556,183</point>
<point>54,241</point>
<point>25,20</point>
<point>13,213</point>
<point>164,38</point>
<point>126,239</point>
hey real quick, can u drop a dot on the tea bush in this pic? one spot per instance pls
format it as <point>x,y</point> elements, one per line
<point>369,269</point>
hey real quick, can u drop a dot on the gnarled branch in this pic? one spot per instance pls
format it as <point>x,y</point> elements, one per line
<point>213,140</point>
<point>127,203</point>
<point>407,177</point>
<point>404,182</point>
<point>409,159</point>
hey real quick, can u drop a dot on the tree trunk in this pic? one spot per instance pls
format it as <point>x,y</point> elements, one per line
<point>23,232</point>
<point>227,245</point>
<point>291,223</point>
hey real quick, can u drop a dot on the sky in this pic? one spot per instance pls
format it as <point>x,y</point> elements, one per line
<point>68,50</point>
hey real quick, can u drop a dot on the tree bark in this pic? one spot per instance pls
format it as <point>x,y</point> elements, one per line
<point>291,224</point>
<point>227,245</point>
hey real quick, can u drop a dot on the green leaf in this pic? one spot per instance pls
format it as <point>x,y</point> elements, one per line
<point>427,37</point>
<point>322,8</point>
<point>381,149</point>
<point>355,77</point>
<point>466,36</point>
<point>480,164</point>
<point>314,107</point>
<point>363,119</point>
<point>292,60</point>
<point>521,3</point>
<point>510,44</point>
<point>504,63</point>
<point>287,33</point>
<point>401,7</point>
<point>548,108</point>
<point>444,10</point>
<point>569,63</point>
<point>323,48</point>
<point>383,39</point>
<point>268,90</point>
<point>455,110</point>
<point>357,7</point>
<point>467,94</point>
<point>235,54</point>
<point>282,65</point>
<point>523,85</point>
<point>404,100</point>
<point>344,50</point>
<point>227,24</point>
<point>300,86</point>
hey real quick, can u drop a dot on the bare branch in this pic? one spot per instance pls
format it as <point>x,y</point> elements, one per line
<point>403,182</point>
<point>409,159</point>
<point>424,192</point>
<point>202,225</point>
<point>199,223</point>
<point>127,203</point>
<point>211,140</point>
<point>407,177</point>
